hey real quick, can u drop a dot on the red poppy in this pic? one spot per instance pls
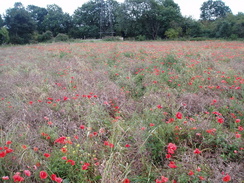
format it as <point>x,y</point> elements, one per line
<point>126,181</point>
<point>5,177</point>
<point>43,174</point>
<point>172,164</point>
<point>191,173</point>
<point>179,115</point>
<point>197,151</point>
<point>27,173</point>
<point>226,178</point>
<point>2,154</point>
<point>18,178</point>
<point>46,155</point>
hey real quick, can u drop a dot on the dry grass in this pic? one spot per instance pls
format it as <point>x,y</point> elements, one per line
<point>123,93</point>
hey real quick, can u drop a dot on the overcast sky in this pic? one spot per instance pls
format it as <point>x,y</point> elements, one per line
<point>188,7</point>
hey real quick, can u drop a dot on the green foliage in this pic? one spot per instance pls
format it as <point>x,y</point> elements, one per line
<point>213,9</point>
<point>1,21</point>
<point>46,36</point>
<point>61,37</point>
<point>4,35</point>
<point>38,15</point>
<point>56,20</point>
<point>171,33</point>
<point>20,24</point>
<point>141,38</point>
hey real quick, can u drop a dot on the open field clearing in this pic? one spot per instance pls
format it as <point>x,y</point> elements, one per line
<point>115,112</point>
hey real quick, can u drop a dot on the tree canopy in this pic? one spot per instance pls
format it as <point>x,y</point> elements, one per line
<point>133,19</point>
<point>213,9</point>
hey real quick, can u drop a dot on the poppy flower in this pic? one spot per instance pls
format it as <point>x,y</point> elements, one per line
<point>126,181</point>
<point>197,151</point>
<point>27,173</point>
<point>191,173</point>
<point>179,115</point>
<point>18,178</point>
<point>226,178</point>
<point>47,155</point>
<point>43,174</point>
<point>172,164</point>
<point>5,177</point>
<point>2,154</point>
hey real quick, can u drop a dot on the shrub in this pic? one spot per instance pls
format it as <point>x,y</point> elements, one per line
<point>141,38</point>
<point>4,35</point>
<point>171,33</point>
<point>46,36</point>
<point>61,37</point>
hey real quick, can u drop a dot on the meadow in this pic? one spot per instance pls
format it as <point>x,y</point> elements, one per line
<point>120,112</point>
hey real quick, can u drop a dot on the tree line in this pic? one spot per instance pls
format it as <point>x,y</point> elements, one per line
<point>133,19</point>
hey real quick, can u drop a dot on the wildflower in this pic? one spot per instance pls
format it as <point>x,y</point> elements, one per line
<point>172,164</point>
<point>201,178</point>
<point>72,162</point>
<point>127,145</point>
<point>126,181</point>
<point>179,115</point>
<point>5,177</point>
<point>164,179</point>
<point>171,148</point>
<point>82,127</point>
<point>240,128</point>
<point>168,156</point>
<point>191,173</point>
<point>47,155</point>
<point>85,166</point>
<point>53,177</point>
<point>18,178</point>
<point>59,180</point>
<point>238,120</point>
<point>43,174</point>
<point>220,120</point>
<point>226,178</point>
<point>197,151</point>
<point>27,173</point>
<point>8,142</point>
<point>60,140</point>
<point>238,135</point>
<point>2,154</point>
<point>159,107</point>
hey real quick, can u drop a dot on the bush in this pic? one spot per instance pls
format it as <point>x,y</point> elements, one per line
<point>171,33</point>
<point>141,38</point>
<point>61,37</point>
<point>4,35</point>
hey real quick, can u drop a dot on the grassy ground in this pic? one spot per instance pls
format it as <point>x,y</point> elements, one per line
<point>122,112</point>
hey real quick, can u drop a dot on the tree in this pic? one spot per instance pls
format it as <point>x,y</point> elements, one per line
<point>191,27</point>
<point>150,18</point>
<point>38,15</point>
<point>56,20</point>
<point>87,20</point>
<point>4,36</point>
<point>211,10</point>
<point>19,24</point>
<point>1,21</point>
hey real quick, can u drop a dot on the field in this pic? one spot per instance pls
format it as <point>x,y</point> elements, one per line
<point>114,112</point>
